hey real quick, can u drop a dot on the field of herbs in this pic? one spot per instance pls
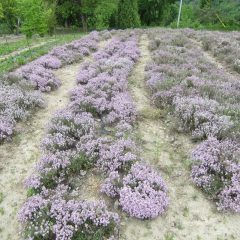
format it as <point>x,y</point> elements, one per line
<point>125,135</point>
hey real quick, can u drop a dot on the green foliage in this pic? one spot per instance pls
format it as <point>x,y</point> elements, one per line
<point>188,17</point>
<point>1,197</point>
<point>68,12</point>
<point>9,14</point>
<point>80,162</point>
<point>34,17</point>
<point>50,6</point>
<point>95,233</point>
<point>152,12</point>
<point>104,12</point>
<point>31,192</point>
<point>1,11</point>
<point>128,14</point>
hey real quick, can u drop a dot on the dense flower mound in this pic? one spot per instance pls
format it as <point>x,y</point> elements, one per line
<point>20,90</point>
<point>216,169</point>
<point>52,216</point>
<point>199,115</point>
<point>203,100</point>
<point>143,194</point>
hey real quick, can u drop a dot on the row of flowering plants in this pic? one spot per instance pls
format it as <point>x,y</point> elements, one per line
<point>204,100</point>
<point>93,130</point>
<point>225,46</point>
<point>140,190</point>
<point>54,209</point>
<point>20,91</point>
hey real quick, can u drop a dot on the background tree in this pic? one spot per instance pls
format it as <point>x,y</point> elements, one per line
<point>1,11</point>
<point>128,16</point>
<point>69,13</point>
<point>77,13</point>
<point>152,11</point>
<point>10,14</point>
<point>104,13</point>
<point>50,6</point>
<point>34,17</point>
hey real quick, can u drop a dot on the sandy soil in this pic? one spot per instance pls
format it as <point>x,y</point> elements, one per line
<point>190,215</point>
<point>18,157</point>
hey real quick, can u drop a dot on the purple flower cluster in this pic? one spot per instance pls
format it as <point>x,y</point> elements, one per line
<point>216,169</point>
<point>204,100</point>
<point>143,194</point>
<point>51,216</point>
<point>199,115</point>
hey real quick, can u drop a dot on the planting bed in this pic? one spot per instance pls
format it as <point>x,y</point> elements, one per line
<point>141,141</point>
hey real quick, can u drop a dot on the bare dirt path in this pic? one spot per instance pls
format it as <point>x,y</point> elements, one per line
<point>18,158</point>
<point>190,215</point>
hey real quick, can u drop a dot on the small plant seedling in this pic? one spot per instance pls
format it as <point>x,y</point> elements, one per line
<point>169,236</point>
<point>1,211</point>
<point>185,211</point>
<point>1,197</point>
<point>194,197</point>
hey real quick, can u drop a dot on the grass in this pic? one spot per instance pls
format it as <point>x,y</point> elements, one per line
<point>13,62</point>
<point>9,47</point>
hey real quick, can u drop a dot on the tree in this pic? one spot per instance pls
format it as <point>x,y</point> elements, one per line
<point>1,11</point>
<point>50,6</point>
<point>77,12</point>
<point>34,17</point>
<point>152,11</point>
<point>104,12</point>
<point>205,3</point>
<point>128,16</point>
<point>10,13</point>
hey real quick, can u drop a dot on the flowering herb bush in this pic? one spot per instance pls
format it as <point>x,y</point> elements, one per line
<point>204,99</point>
<point>216,169</point>
<point>52,216</point>
<point>144,194</point>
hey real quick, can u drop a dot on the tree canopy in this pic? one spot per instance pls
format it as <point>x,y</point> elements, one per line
<point>42,16</point>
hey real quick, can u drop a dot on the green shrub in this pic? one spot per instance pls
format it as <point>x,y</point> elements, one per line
<point>80,162</point>
<point>128,14</point>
